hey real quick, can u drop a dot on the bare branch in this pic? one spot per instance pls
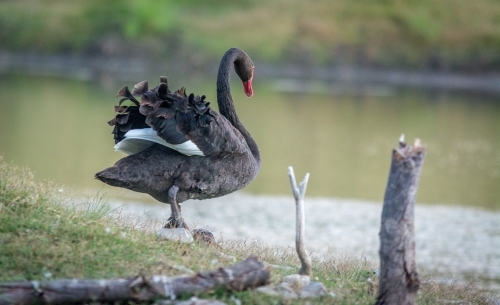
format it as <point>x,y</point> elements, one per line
<point>299,194</point>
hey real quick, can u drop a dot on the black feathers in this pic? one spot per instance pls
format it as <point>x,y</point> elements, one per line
<point>215,154</point>
<point>175,117</point>
<point>127,118</point>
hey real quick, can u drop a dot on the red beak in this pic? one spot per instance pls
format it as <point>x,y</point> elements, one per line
<point>247,86</point>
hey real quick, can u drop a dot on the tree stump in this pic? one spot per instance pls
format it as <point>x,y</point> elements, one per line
<point>399,280</point>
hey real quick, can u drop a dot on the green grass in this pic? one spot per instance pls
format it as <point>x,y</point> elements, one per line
<point>45,235</point>
<point>446,34</point>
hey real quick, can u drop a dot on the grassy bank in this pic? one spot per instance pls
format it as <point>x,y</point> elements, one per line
<point>46,234</point>
<point>440,35</point>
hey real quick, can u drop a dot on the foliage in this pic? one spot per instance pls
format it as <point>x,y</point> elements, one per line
<point>448,34</point>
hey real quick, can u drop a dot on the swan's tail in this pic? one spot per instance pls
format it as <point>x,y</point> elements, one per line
<point>111,176</point>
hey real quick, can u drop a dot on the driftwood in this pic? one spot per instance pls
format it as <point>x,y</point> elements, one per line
<point>299,193</point>
<point>247,274</point>
<point>399,280</point>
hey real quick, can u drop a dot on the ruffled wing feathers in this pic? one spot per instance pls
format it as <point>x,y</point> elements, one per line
<point>176,118</point>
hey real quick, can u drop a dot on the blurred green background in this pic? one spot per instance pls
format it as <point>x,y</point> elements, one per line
<point>327,100</point>
<point>448,34</point>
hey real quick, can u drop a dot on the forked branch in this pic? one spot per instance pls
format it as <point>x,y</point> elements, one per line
<point>299,193</point>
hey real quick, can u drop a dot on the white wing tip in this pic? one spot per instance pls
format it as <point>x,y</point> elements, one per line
<point>187,148</point>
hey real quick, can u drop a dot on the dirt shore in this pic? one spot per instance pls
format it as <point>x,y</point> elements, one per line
<point>451,242</point>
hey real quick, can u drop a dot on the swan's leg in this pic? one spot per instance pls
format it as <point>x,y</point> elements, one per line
<point>175,220</point>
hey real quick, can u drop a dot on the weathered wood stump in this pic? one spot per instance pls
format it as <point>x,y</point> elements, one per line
<point>300,222</point>
<point>399,280</point>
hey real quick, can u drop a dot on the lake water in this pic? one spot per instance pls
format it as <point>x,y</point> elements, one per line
<point>341,136</point>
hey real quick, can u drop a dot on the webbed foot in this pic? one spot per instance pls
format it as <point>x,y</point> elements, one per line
<point>175,223</point>
<point>175,220</point>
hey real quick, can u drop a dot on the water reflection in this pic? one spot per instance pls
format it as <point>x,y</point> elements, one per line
<point>58,128</point>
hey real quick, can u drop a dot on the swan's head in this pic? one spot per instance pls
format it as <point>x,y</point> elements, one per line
<point>244,68</point>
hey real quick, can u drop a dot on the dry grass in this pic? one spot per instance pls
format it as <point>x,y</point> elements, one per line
<point>45,234</point>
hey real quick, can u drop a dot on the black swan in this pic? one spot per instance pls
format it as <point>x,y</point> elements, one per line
<point>179,148</point>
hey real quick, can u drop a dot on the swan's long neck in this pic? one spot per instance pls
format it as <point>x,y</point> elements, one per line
<point>225,99</point>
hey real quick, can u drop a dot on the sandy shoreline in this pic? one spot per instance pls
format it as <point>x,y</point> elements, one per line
<point>451,242</point>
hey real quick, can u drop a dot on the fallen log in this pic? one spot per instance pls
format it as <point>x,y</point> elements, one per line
<point>250,273</point>
<point>398,279</point>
